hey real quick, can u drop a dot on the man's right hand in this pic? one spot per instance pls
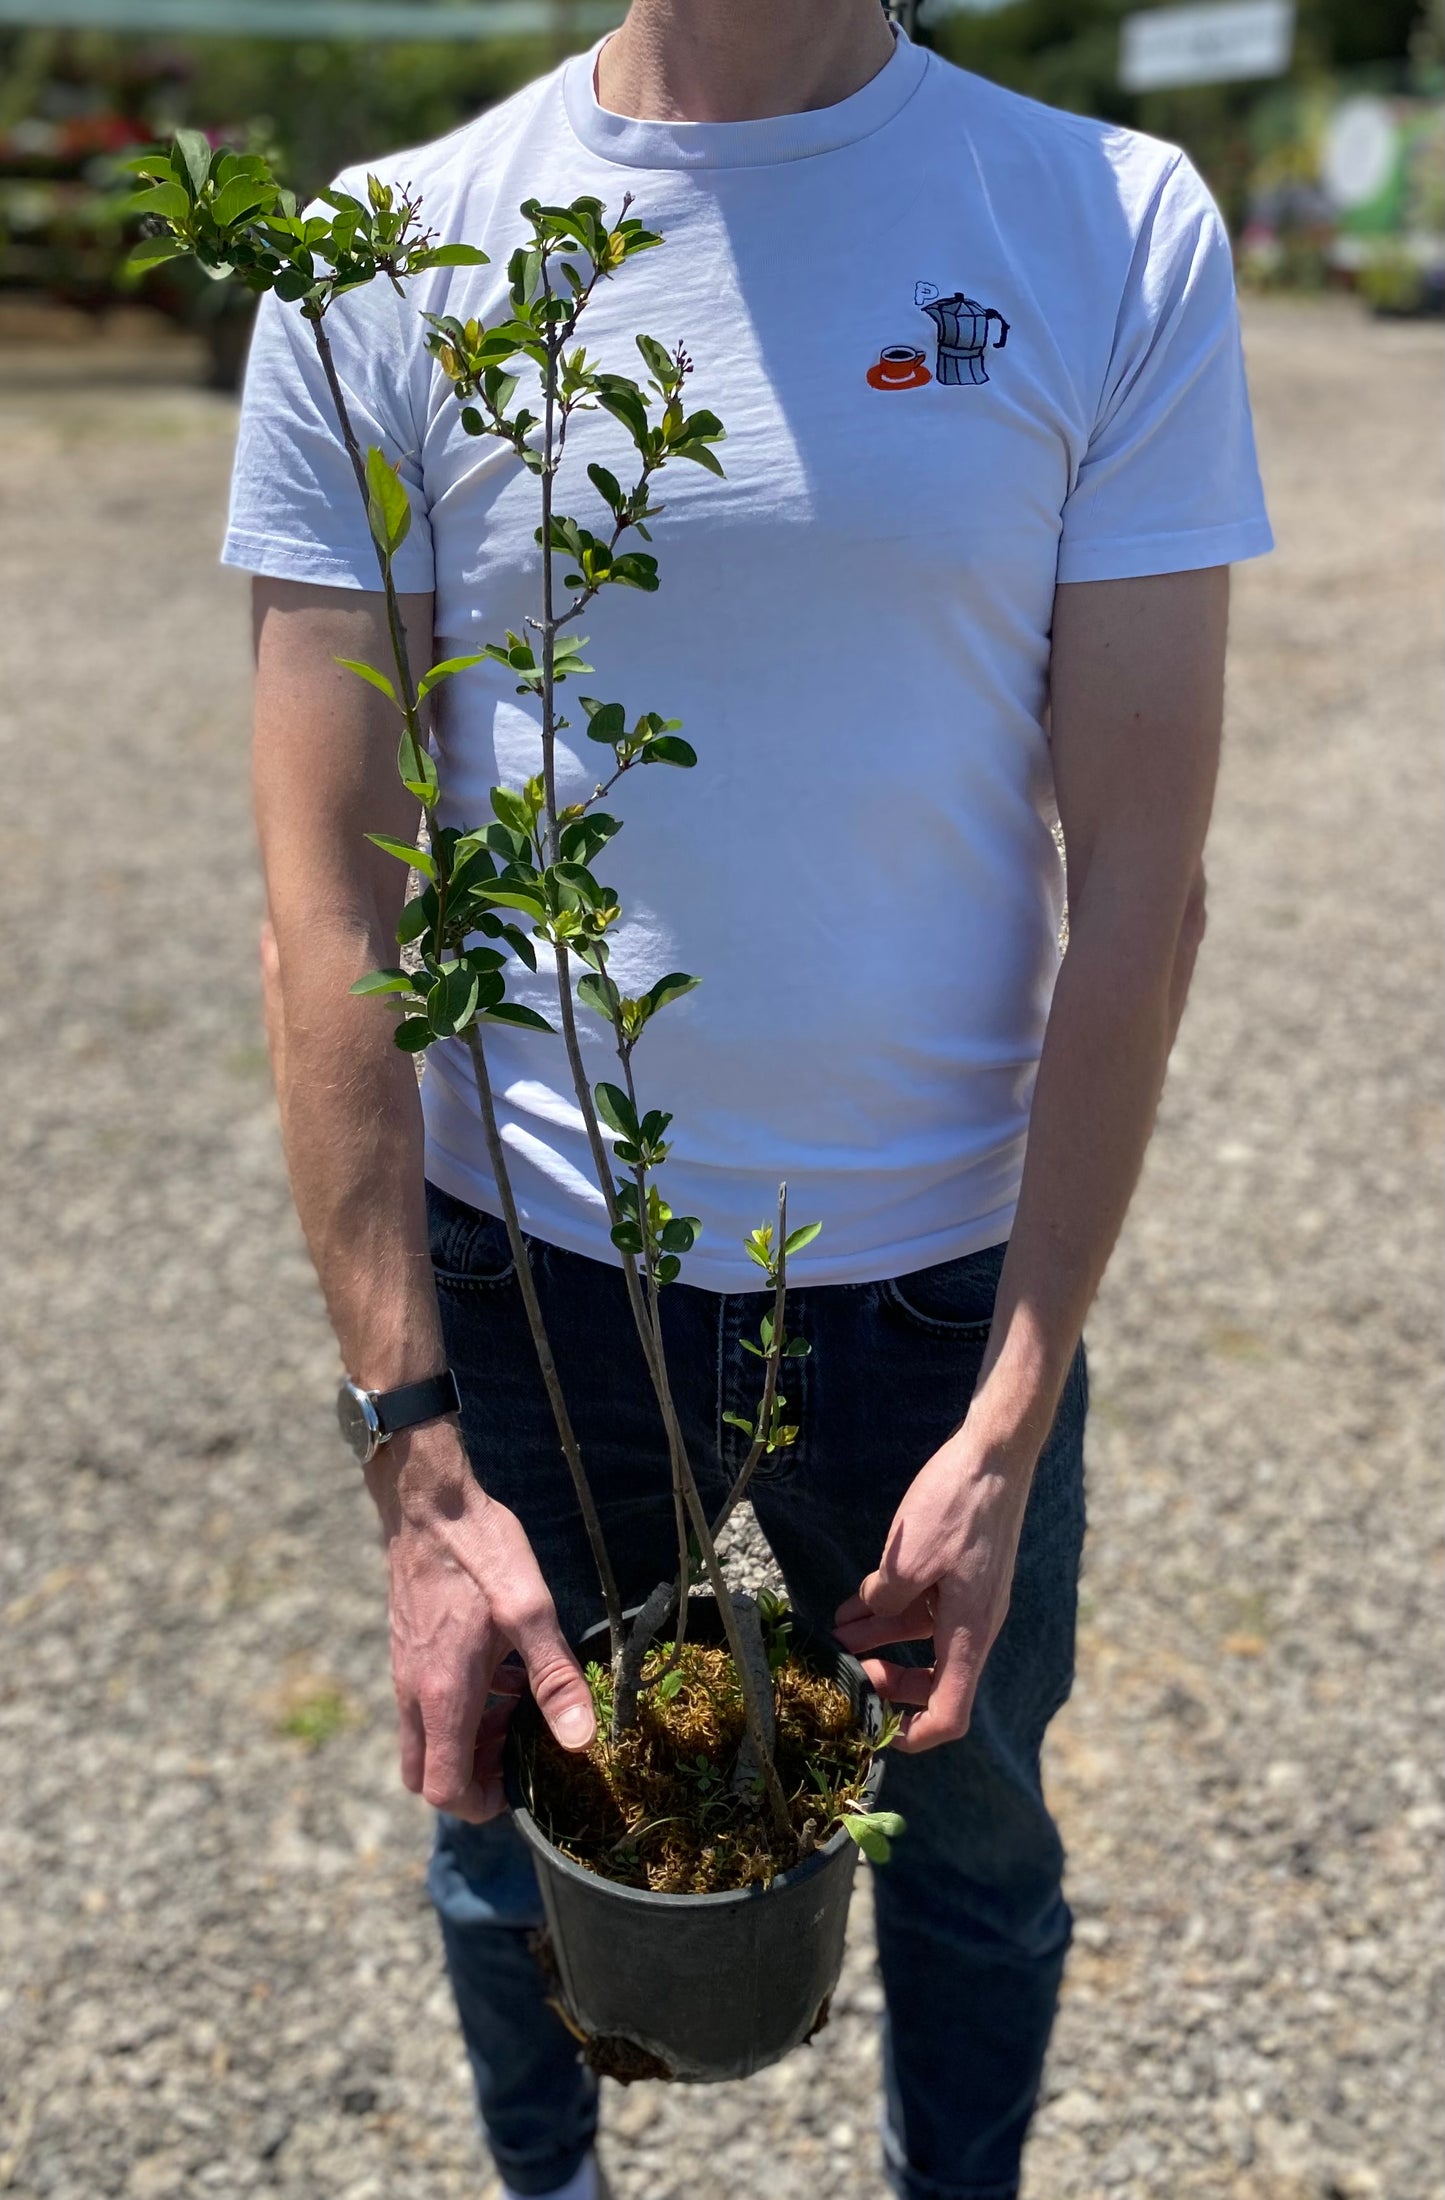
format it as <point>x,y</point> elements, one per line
<point>465,1591</point>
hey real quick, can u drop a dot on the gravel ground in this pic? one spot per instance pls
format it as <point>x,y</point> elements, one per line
<point>218,1973</point>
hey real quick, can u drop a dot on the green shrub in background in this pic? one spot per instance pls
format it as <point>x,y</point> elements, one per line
<point>1066,52</point>
<point>321,103</point>
<point>73,105</point>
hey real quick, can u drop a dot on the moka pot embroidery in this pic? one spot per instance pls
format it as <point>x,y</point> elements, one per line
<point>963,334</point>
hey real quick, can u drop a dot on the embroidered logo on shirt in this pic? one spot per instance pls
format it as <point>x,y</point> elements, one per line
<point>963,330</point>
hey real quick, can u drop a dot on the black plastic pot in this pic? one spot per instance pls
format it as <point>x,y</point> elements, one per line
<point>696,1987</point>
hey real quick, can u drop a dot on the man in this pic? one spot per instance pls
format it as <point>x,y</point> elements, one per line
<point>989,460</point>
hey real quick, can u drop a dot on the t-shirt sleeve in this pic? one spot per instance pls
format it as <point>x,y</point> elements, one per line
<point>1169,481</point>
<point>296,510</point>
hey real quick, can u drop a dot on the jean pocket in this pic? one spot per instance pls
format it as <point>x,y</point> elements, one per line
<point>954,1299</point>
<point>469,1249</point>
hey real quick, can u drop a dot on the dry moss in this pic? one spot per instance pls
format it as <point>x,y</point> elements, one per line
<point>656,1808</point>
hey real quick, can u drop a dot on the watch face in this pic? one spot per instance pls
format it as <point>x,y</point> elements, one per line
<point>357,1417</point>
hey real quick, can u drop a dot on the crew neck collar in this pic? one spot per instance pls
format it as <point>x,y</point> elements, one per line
<point>637,143</point>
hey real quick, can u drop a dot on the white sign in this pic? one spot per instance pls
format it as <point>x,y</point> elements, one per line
<point>1219,43</point>
<point>1361,152</point>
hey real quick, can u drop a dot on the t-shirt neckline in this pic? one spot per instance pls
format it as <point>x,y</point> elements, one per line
<point>639,143</point>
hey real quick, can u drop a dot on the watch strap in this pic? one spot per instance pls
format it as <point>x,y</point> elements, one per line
<point>413,1403</point>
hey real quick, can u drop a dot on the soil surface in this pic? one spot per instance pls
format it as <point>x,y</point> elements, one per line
<point>218,1972</point>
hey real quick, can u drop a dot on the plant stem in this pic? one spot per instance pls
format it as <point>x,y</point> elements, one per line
<point>396,625</point>
<point>763,1427</point>
<point>601,1159</point>
<point>677,1448</point>
<point>648,1328</point>
<point>752,1705</point>
<point>496,1153</point>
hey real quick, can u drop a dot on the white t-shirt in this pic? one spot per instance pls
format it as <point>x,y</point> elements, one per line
<point>853,627</point>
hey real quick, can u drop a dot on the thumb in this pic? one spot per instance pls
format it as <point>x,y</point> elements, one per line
<point>559,1687</point>
<point>886,1592</point>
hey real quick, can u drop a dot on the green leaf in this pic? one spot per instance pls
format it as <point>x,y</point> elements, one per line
<point>736,1420</point>
<point>513,810</point>
<point>677,1235</point>
<point>169,200</point>
<point>445,671</point>
<point>605,721</point>
<point>372,677</point>
<point>607,486</point>
<point>385,981</point>
<point>520,945</point>
<point>616,1110</point>
<point>670,988</point>
<point>388,507</point>
<point>450,255</point>
<point>596,995</point>
<point>405,851</point>
<point>670,748</point>
<point>635,570</point>
<point>192,157</point>
<point>415,919</point>
<point>417,772</point>
<point>516,1012</point>
<point>241,196</point>
<point>453,998</point>
<point>875,1831</point>
<point>659,360</point>
<point>626,1237</point>
<point>798,1238</point>
<point>516,897</point>
<point>701,456</point>
<point>153,251</point>
<point>624,401</point>
<point>668,1269</point>
<point>414,1034</point>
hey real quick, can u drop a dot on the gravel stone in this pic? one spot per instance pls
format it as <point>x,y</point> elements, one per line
<point>218,1972</point>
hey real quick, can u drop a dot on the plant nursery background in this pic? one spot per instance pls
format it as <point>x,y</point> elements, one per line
<point>219,1974</point>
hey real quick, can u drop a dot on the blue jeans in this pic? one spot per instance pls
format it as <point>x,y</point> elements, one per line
<point>972,1924</point>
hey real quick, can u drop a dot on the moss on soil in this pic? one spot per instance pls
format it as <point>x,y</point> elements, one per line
<point>656,1809</point>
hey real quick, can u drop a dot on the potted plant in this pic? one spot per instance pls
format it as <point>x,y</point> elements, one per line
<point>712,1829</point>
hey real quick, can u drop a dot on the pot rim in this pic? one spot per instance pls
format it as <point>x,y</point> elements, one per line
<point>796,1874</point>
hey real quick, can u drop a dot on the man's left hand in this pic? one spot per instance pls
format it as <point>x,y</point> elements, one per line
<point>946,1572</point>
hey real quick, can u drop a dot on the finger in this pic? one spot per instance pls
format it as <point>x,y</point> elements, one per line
<point>870,1630</point>
<point>900,1683</point>
<point>478,1801</point>
<point>558,1686</point>
<point>411,1737</point>
<point>945,1716</point>
<point>879,1591</point>
<point>451,1710</point>
<point>491,1738</point>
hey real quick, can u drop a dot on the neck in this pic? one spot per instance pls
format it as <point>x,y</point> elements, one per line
<point>740,60</point>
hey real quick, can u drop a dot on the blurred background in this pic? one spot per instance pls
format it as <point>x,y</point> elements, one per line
<point>1319,126</point>
<point>218,1970</point>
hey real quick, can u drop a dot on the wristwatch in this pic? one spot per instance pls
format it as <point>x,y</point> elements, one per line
<point>370,1418</point>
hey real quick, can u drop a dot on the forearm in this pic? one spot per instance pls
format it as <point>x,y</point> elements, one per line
<point>351,1122</point>
<point>1115,1011</point>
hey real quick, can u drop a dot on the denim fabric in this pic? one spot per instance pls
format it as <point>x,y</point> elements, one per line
<point>972,1924</point>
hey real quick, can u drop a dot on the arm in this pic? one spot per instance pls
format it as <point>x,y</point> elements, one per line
<point>1138,683</point>
<point>464,1586</point>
